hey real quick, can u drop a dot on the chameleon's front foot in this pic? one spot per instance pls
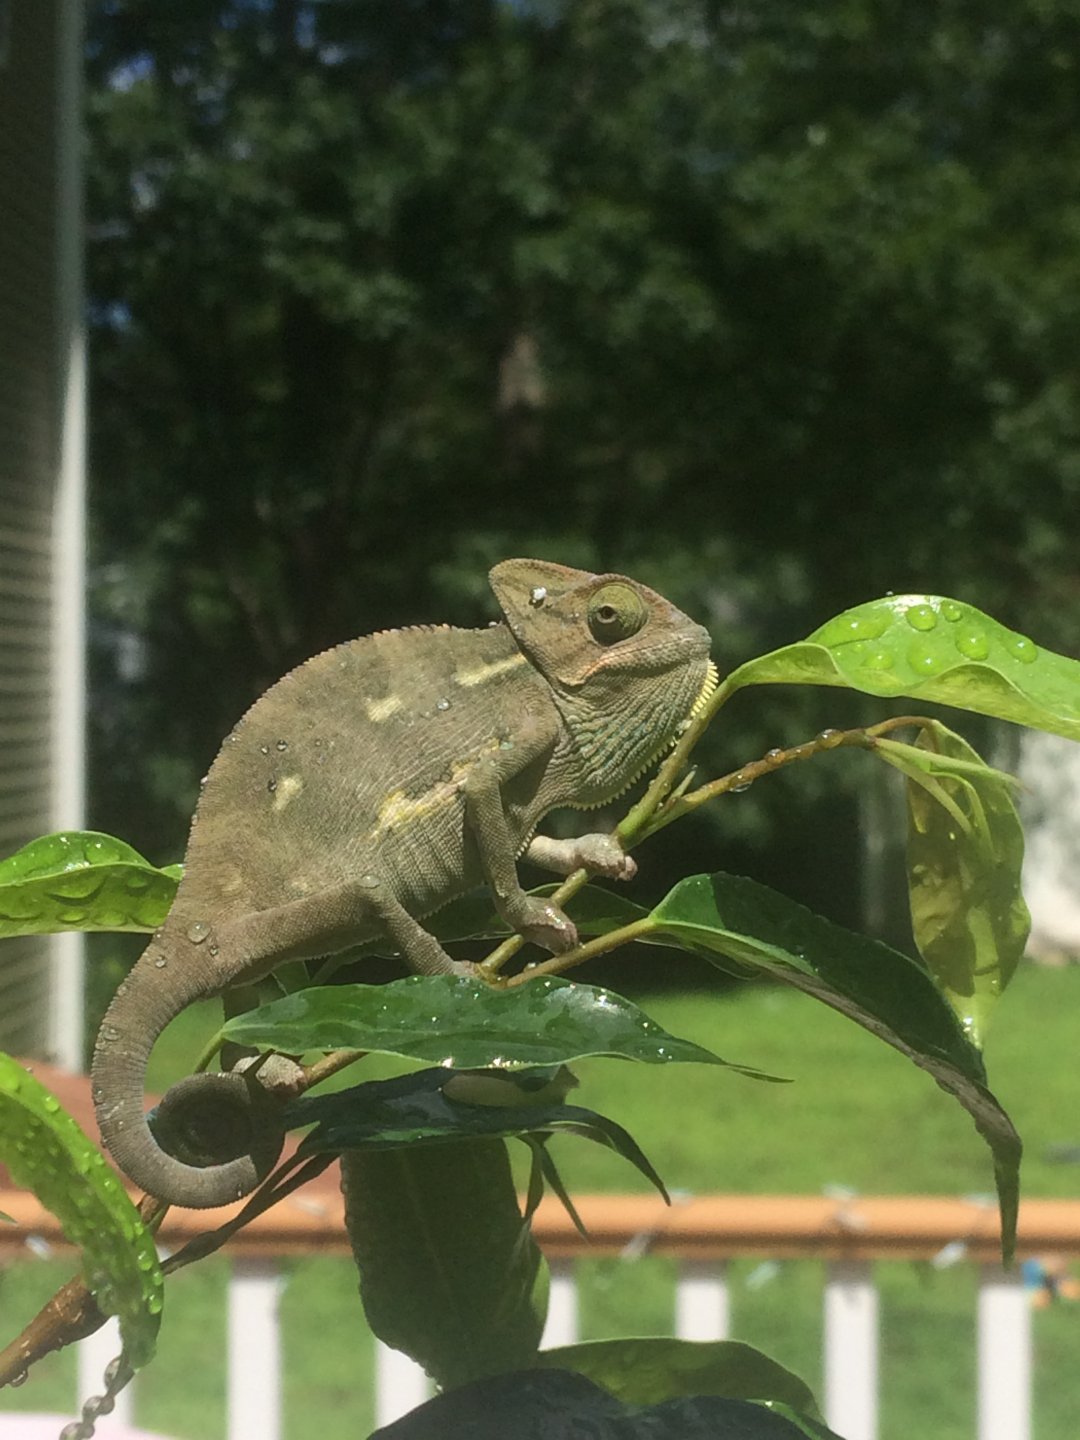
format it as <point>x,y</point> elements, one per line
<point>599,854</point>
<point>542,923</point>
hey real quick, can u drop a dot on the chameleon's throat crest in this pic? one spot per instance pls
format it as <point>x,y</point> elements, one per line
<point>712,680</point>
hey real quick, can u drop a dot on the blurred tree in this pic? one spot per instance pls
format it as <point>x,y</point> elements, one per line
<point>773,306</point>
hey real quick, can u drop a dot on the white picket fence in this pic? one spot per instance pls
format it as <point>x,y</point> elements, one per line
<point>704,1233</point>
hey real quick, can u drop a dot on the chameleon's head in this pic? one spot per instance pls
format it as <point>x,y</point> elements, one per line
<point>626,667</point>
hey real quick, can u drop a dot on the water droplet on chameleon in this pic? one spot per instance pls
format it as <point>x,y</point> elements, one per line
<point>537,596</point>
<point>921,617</point>
<point>197,931</point>
<point>1022,649</point>
<point>282,745</point>
<point>972,643</point>
<point>19,1379</point>
<point>271,785</point>
<point>369,881</point>
<point>264,749</point>
<point>442,704</point>
<point>160,962</point>
<point>924,660</point>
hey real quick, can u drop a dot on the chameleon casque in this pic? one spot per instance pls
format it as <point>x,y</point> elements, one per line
<point>369,787</point>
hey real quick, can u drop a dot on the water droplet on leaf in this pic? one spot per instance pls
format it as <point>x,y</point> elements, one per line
<point>921,617</point>
<point>1023,649</point>
<point>972,643</point>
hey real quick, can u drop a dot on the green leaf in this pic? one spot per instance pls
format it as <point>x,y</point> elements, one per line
<point>804,1424</point>
<point>644,1371</point>
<point>543,1404</point>
<point>464,1023</point>
<point>595,911</point>
<point>45,1151</point>
<point>932,649</point>
<point>965,850</point>
<point>884,991</point>
<point>449,1271</point>
<point>81,880</point>
<point>416,1109</point>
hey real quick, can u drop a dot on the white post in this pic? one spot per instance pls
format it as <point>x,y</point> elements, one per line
<point>66,962</point>
<point>851,1350</point>
<point>1004,1356</point>
<point>702,1301</point>
<point>400,1384</point>
<point>562,1317</point>
<point>94,1354</point>
<point>254,1351</point>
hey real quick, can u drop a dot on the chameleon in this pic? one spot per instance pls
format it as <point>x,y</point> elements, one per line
<point>367,788</point>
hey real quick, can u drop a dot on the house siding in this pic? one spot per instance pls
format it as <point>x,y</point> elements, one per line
<point>30,429</point>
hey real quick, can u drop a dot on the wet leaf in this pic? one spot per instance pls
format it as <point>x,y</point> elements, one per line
<point>82,880</point>
<point>934,649</point>
<point>965,851</point>
<point>884,991</point>
<point>46,1152</point>
<point>467,1024</point>
<point>650,1369</point>
<point>449,1271</point>
<point>416,1109</point>
<point>544,1404</point>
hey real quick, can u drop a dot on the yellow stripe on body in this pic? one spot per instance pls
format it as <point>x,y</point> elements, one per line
<point>383,708</point>
<point>481,674</point>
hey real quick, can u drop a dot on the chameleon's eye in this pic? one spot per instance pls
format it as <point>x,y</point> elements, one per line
<point>615,613</point>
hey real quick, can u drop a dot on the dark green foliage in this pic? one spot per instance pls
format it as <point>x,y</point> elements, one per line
<point>785,295</point>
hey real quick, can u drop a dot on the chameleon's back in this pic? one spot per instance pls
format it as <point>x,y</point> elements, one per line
<point>351,763</point>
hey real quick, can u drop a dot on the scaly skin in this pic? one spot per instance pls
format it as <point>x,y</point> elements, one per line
<point>365,790</point>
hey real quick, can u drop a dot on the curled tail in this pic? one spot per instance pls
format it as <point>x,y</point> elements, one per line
<point>226,1126</point>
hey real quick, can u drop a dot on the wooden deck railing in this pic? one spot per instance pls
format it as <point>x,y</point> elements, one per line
<point>702,1233</point>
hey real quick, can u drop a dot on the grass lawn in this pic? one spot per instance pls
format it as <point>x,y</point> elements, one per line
<point>857,1114</point>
